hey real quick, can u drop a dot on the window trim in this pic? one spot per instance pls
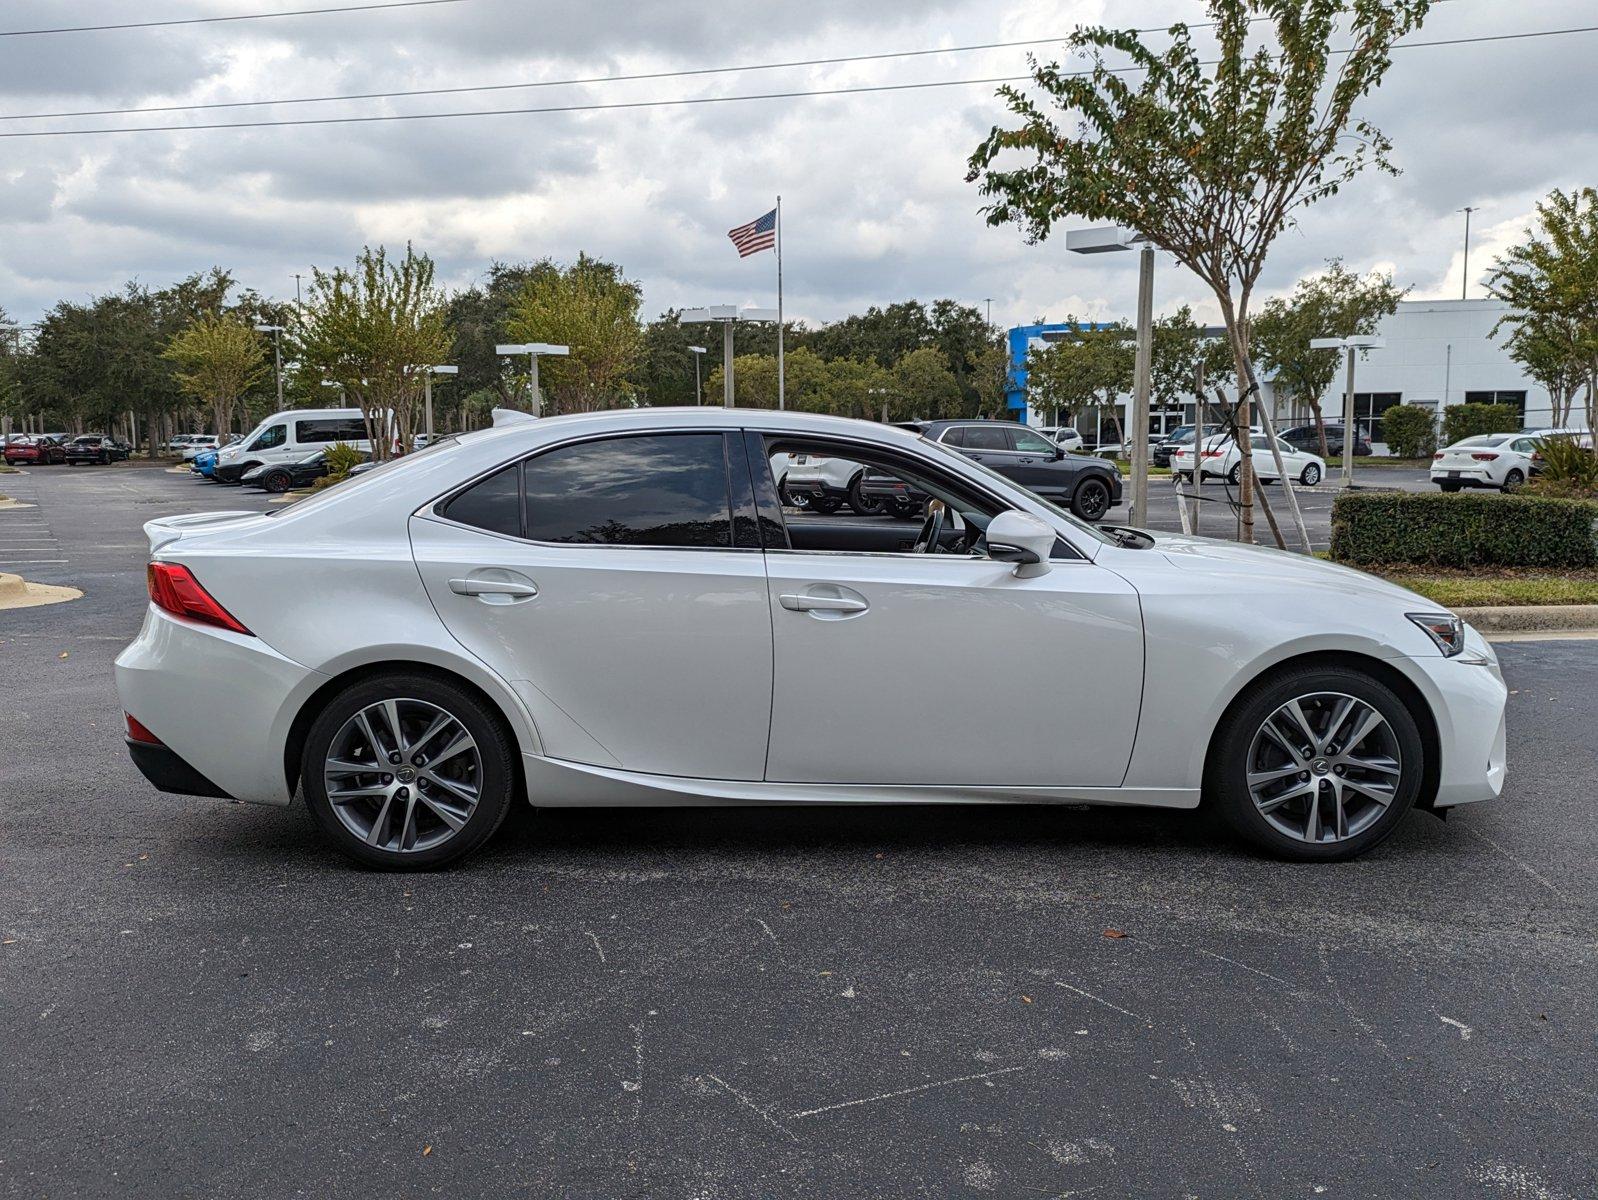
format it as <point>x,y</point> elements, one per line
<point>432,507</point>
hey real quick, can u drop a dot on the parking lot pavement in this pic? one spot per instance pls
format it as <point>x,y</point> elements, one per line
<point>200,999</point>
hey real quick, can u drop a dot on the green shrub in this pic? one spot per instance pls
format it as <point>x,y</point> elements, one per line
<point>1470,420</point>
<point>1433,529</point>
<point>341,456</point>
<point>1569,469</point>
<point>1410,430</point>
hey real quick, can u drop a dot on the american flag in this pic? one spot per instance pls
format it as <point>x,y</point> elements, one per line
<point>760,234</point>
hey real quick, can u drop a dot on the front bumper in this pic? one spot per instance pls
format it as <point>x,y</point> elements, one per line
<point>228,472</point>
<point>1468,700</point>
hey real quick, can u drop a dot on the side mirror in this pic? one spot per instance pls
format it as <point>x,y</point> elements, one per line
<point>1022,539</point>
<point>1059,453</point>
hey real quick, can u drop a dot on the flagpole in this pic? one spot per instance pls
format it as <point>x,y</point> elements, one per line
<point>781,382</point>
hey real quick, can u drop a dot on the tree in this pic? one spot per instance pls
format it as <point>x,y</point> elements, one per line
<point>218,359</point>
<point>1087,370</point>
<point>1550,281</point>
<point>1209,154</point>
<point>1337,303</point>
<point>592,308</point>
<point>374,331</point>
<point>477,318</point>
<point>990,380</point>
<point>921,387</point>
<point>1178,351</point>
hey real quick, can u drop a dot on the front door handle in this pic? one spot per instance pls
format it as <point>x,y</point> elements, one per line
<point>837,604</point>
<point>491,587</point>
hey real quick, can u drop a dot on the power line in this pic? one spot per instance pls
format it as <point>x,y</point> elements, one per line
<point>689,101</point>
<point>299,12</point>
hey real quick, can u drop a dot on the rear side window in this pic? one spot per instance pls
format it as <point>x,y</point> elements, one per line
<point>494,503</point>
<point>330,429</point>
<point>658,490</point>
<point>979,438</point>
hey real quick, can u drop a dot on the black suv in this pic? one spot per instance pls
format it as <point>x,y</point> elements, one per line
<point>1304,437</point>
<point>1090,487</point>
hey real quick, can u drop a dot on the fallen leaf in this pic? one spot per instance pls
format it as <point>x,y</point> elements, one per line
<point>426,1150</point>
<point>64,653</point>
<point>1026,999</point>
<point>1114,933</point>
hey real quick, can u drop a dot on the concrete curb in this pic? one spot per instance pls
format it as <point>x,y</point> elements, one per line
<point>1530,618</point>
<point>16,592</point>
<point>6,502</point>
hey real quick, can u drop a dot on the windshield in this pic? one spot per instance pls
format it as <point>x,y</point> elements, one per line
<point>1070,518</point>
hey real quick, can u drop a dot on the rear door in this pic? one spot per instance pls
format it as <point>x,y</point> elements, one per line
<point>604,580</point>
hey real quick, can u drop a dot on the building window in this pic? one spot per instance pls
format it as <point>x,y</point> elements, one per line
<point>1368,410</point>
<point>1516,399</point>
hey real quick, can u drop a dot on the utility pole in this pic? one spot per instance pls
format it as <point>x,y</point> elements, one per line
<point>1464,282</point>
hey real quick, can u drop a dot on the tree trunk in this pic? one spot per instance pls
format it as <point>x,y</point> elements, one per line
<point>1320,425</point>
<point>1240,417</point>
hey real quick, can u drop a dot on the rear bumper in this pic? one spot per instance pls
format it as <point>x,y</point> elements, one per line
<point>169,773</point>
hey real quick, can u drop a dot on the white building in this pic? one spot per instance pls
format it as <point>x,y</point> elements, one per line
<point>1438,353</point>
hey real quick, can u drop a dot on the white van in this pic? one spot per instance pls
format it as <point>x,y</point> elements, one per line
<point>289,436</point>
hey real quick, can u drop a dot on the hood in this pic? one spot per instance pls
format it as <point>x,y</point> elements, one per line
<point>1261,563</point>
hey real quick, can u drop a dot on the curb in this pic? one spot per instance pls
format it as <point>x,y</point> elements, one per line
<point>16,592</point>
<point>1529,618</point>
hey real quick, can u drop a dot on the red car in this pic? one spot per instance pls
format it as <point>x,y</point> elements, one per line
<point>39,451</point>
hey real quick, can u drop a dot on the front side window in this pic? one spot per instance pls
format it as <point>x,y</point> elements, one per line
<point>657,490</point>
<point>1030,443</point>
<point>275,436</point>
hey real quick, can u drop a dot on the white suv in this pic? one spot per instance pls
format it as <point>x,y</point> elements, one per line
<point>825,485</point>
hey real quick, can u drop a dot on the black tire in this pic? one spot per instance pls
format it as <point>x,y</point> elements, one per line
<point>825,505</point>
<point>905,510</point>
<point>496,784</point>
<point>865,506</point>
<point>1311,475</point>
<point>1235,475</point>
<point>1091,500</point>
<point>276,481</point>
<point>1514,479</point>
<point>1450,487</point>
<point>1226,784</point>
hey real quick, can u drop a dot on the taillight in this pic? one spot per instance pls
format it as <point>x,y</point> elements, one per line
<point>1213,453</point>
<point>174,589</point>
<point>1484,457</point>
<point>138,733</point>
<point>1438,457</point>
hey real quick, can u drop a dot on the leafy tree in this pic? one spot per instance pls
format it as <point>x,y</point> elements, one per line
<point>1472,420</point>
<point>218,359</point>
<point>923,388</point>
<point>592,308</point>
<point>1337,303</point>
<point>478,318</point>
<point>1410,430</point>
<point>1179,349</point>
<point>1210,154</point>
<point>1550,281</point>
<point>665,370</point>
<point>373,331</point>
<point>989,379</point>
<point>1087,370</point>
<point>887,335</point>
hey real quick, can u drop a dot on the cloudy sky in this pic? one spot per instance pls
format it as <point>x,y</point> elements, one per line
<point>873,187</point>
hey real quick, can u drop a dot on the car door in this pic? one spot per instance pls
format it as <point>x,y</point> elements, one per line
<point>941,669</point>
<point>601,578</point>
<point>1036,465</point>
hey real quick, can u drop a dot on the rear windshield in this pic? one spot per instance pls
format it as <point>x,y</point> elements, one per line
<point>1487,439</point>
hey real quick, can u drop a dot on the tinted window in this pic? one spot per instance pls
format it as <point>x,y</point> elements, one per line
<point>330,429</point>
<point>1031,443</point>
<point>274,436</point>
<point>494,504</point>
<point>664,490</point>
<point>954,437</point>
<point>978,437</point>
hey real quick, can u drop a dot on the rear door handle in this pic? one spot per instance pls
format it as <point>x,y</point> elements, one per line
<point>491,587</point>
<point>838,604</point>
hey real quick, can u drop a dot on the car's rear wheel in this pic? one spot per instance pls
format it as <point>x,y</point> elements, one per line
<point>1091,500</point>
<point>790,499</point>
<point>407,772</point>
<point>1317,765</point>
<point>866,506</point>
<point>1514,479</point>
<point>1235,475</point>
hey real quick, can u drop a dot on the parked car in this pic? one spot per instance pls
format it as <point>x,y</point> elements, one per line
<point>824,485</point>
<point>1222,460</point>
<point>283,477</point>
<point>203,463</point>
<point>198,443</point>
<point>1064,436</point>
<point>1308,438</point>
<point>1160,453</point>
<point>96,448</point>
<point>179,441</point>
<point>40,450</point>
<point>290,435</point>
<point>1089,487</point>
<point>556,611</point>
<point>1493,460</point>
<point>1123,449</point>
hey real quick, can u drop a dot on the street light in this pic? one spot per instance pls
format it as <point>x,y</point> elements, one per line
<point>277,357</point>
<point>727,315</point>
<point>699,391</point>
<point>427,390</point>
<point>1353,345</point>
<point>533,350</point>
<point>1109,240</point>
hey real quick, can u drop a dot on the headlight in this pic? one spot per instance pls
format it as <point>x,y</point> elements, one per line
<point>1447,630</point>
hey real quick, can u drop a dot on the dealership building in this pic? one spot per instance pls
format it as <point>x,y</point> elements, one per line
<point>1437,353</point>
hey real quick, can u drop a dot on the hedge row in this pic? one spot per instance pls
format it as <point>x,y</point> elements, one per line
<point>1464,530</point>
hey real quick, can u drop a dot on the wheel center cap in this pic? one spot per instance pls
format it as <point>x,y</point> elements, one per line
<point>1321,767</point>
<point>405,774</point>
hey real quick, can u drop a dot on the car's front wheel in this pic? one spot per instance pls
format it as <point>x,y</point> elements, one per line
<point>407,771</point>
<point>1317,764</point>
<point>1311,475</point>
<point>277,481</point>
<point>1091,500</point>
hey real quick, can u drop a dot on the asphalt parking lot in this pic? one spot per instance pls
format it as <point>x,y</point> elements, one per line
<point>198,998</point>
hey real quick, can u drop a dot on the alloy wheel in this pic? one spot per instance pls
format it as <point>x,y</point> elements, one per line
<point>403,775</point>
<point>1324,767</point>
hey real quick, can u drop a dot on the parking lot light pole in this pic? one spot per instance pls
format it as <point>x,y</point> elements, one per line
<point>699,389</point>
<point>277,357</point>
<point>533,350</point>
<point>1108,241</point>
<point>427,391</point>
<point>1353,345</point>
<point>726,315</point>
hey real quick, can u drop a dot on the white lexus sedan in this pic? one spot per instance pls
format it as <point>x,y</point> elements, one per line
<point>615,609</point>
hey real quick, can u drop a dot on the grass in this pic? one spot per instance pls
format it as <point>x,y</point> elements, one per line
<point>1483,586</point>
<point>1125,467</point>
<point>1372,460</point>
